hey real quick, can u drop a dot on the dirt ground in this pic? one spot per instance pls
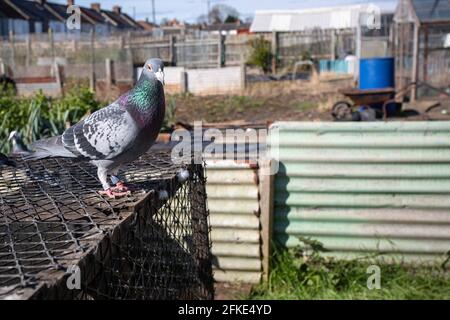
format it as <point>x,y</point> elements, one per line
<point>231,291</point>
<point>267,102</point>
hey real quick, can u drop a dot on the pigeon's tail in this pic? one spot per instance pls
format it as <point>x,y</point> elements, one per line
<point>49,148</point>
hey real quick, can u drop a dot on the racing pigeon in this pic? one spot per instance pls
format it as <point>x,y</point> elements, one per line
<point>18,147</point>
<point>5,161</point>
<point>117,134</point>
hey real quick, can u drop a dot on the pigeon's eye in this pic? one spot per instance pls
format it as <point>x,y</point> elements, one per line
<point>149,66</point>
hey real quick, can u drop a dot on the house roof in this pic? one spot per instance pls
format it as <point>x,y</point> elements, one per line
<point>120,20</point>
<point>146,25</point>
<point>92,15</point>
<point>33,10</point>
<point>429,11</point>
<point>7,11</point>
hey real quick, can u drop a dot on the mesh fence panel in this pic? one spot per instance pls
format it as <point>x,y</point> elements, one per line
<point>57,232</point>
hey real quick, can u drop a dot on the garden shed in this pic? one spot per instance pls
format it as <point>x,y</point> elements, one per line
<point>422,29</point>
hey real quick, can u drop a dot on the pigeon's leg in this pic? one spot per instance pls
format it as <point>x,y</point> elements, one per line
<point>119,184</point>
<point>103,177</point>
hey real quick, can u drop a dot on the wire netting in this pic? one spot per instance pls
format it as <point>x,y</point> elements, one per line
<point>60,239</point>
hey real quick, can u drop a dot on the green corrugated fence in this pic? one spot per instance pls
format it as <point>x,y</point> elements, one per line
<point>364,187</point>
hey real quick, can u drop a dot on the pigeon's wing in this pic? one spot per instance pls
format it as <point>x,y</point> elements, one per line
<point>105,134</point>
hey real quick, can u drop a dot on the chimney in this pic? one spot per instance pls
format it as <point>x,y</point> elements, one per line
<point>117,9</point>
<point>96,6</point>
<point>70,3</point>
<point>41,2</point>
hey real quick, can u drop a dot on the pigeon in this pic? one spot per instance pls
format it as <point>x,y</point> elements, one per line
<point>117,134</point>
<point>5,161</point>
<point>18,146</point>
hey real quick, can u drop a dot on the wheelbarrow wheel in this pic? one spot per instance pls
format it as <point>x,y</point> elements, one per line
<point>342,110</point>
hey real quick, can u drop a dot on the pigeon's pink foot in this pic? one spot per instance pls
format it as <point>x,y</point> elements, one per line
<point>121,187</point>
<point>113,194</point>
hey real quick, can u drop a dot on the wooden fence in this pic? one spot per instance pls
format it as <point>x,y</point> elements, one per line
<point>185,51</point>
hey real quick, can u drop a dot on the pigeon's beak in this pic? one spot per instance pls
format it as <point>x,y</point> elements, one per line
<point>160,76</point>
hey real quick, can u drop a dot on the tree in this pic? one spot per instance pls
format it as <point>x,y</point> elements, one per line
<point>261,55</point>
<point>219,14</point>
<point>231,19</point>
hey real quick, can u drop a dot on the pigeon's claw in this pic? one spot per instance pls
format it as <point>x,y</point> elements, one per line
<point>113,193</point>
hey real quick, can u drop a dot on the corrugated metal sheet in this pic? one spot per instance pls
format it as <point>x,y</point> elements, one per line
<point>364,187</point>
<point>342,17</point>
<point>233,201</point>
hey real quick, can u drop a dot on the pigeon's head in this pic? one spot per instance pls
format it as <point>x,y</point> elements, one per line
<point>155,66</point>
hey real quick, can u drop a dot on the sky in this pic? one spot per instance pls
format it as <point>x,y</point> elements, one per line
<point>189,10</point>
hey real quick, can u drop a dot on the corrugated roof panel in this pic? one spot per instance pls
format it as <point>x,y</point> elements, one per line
<point>261,22</point>
<point>432,10</point>
<point>299,20</point>
<point>233,202</point>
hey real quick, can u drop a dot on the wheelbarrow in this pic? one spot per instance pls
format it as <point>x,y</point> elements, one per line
<point>376,99</point>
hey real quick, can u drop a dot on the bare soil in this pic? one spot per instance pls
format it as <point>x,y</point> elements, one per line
<point>267,102</point>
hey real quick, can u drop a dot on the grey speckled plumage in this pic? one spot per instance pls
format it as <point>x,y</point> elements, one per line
<point>118,133</point>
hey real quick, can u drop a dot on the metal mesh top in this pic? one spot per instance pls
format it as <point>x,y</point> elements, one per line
<point>51,215</point>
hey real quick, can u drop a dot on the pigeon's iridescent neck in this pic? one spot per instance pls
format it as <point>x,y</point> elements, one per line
<point>142,95</point>
<point>145,100</point>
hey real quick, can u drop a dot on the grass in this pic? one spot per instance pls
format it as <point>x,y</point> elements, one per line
<point>296,276</point>
<point>40,116</point>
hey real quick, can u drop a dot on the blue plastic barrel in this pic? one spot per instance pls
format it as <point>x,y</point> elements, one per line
<point>376,73</point>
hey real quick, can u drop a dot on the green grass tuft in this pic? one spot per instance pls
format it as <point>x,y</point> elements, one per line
<point>299,276</point>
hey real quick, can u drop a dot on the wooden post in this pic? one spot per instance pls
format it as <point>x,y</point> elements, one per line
<point>3,68</point>
<point>13,48</point>
<point>92,79</point>
<point>122,42</point>
<point>58,77</point>
<point>333,45</point>
<point>184,85</point>
<point>243,76</point>
<point>110,77</point>
<point>274,51</point>
<point>52,44</point>
<point>266,191</point>
<point>220,51</point>
<point>415,65</point>
<point>172,51</point>
<point>28,58</point>
<point>425,55</point>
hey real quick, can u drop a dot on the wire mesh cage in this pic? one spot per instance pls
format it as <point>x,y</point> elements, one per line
<point>60,239</point>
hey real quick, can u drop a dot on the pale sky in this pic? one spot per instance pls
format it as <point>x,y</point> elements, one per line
<point>189,10</point>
